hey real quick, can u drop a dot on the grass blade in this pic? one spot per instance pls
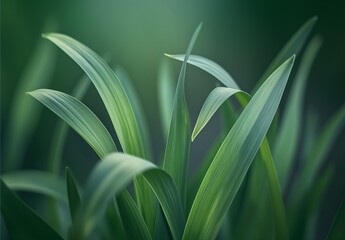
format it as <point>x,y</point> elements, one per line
<point>73,194</point>
<point>337,230</point>
<point>178,142</point>
<point>38,182</point>
<point>214,100</point>
<point>24,115</point>
<point>165,95</point>
<point>287,139</point>
<point>293,46</point>
<point>21,221</point>
<point>79,117</point>
<point>234,157</point>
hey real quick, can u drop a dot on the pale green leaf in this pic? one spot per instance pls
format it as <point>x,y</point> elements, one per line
<point>234,158</point>
<point>178,141</point>
<point>38,182</point>
<point>286,141</point>
<point>79,117</point>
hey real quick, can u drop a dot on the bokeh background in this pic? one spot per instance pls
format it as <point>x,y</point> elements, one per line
<point>242,36</point>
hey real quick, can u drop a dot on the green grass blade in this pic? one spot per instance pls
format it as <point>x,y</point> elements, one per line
<point>209,66</point>
<point>293,46</point>
<point>79,117</point>
<point>61,129</point>
<point>178,142</point>
<point>287,139</point>
<point>136,227</point>
<point>110,89</point>
<point>166,91</point>
<point>234,157</point>
<point>214,100</point>
<point>73,194</point>
<point>24,115</point>
<point>21,221</point>
<point>137,108</point>
<point>38,182</point>
<point>337,230</point>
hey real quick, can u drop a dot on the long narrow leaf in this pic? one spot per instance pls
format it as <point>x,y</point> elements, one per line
<point>287,139</point>
<point>234,157</point>
<point>178,142</point>
<point>38,182</point>
<point>293,46</point>
<point>73,194</point>
<point>79,117</point>
<point>21,221</point>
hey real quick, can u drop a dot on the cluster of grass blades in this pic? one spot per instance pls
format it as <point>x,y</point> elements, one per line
<point>235,194</point>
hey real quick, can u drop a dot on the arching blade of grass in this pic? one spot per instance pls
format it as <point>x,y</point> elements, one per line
<point>110,89</point>
<point>38,182</point>
<point>61,129</point>
<point>79,117</point>
<point>287,139</point>
<point>337,230</point>
<point>23,115</point>
<point>166,91</point>
<point>214,100</point>
<point>136,227</point>
<point>178,141</point>
<point>277,199</point>
<point>137,108</point>
<point>234,157</point>
<point>21,221</point>
<point>73,194</point>
<point>121,168</point>
<point>293,46</point>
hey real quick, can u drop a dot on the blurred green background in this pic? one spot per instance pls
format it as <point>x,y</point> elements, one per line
<point>242,36</point>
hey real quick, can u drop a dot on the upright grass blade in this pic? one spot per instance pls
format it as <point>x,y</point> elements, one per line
<point>214,100</point>
<point>73,194</point>
<point>79,117</point>
<point>277,200</point>
<point>21,221</point>
<point>178,142</point>
<point>38,182</point>
<point>337,230</point>
<point>308,171</point>
<point>165,95</point>
<point>287,139</point>
<point>23,116</point>
<point>61,129</point>
<point>293,46</point>
<point>121,168</point>
<point>234,157</point>
<point>136,227</point>
<point>110,89</point>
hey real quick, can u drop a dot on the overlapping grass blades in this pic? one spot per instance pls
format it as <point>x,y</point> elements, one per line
<point>234,157</point>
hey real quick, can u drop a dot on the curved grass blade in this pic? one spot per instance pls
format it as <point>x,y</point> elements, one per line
<point>234,157</point>
<point>178,141</point>
<point>287,139</point>
<point>21,221</point>
<point>120,169</point>
<point>337,230</point>
<point>79,117</point>
<point>165,95</point>
<point>38,182</point>
<point>293,46</point>
<point>23,115</point>
<point>136,227</point>
<point>73,194</point>
<point>61,129</point>
<point>137,108</point>
<point>110,89</point>
<point>214,100</point>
